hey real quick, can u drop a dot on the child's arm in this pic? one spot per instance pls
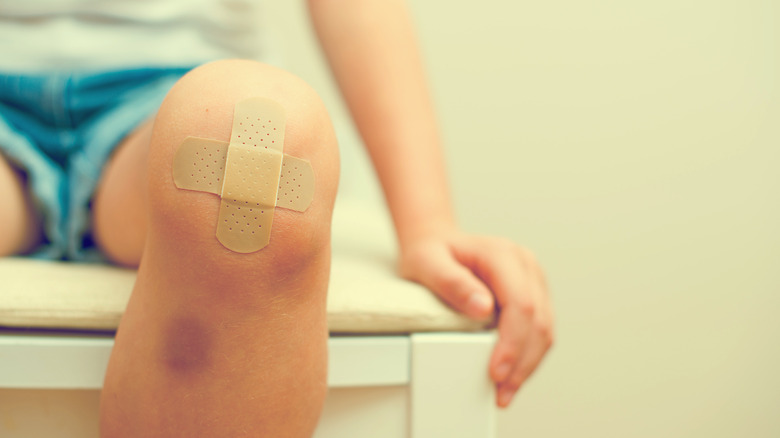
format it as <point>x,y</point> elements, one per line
<point>373,54</point>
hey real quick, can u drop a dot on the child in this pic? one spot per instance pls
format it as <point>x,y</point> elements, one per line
<point>214,342</point>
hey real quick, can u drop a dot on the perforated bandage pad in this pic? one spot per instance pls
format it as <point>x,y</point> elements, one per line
<point>251,174</point>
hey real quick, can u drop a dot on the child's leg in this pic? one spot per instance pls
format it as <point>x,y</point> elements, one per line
<point>217,343</point>
<point>21,226</point>
<point>119,208</point>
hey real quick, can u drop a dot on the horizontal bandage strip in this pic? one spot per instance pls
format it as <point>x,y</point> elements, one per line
<point>250,173</point>
<point>296,173</point>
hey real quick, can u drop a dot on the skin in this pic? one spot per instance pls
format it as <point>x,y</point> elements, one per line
<point>372,52</point>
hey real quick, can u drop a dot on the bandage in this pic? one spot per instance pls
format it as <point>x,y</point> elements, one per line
<point>251,174</point>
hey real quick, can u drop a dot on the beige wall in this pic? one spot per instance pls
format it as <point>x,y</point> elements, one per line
<point>634,147</point>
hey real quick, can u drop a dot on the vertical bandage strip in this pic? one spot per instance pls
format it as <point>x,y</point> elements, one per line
<point>250,173</point>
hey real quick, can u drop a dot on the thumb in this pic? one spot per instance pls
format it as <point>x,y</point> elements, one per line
<point>438,270</point>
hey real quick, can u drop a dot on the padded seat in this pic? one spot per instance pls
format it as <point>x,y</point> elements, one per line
<point>365,294</point>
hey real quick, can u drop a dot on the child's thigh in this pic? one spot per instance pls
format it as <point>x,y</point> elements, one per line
<point>20,225</point>
<point>119,208</point>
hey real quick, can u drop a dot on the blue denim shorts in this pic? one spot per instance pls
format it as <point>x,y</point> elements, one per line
<point>60,129</point>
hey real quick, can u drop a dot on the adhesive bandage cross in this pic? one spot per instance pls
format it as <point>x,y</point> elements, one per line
<point>251,174</point>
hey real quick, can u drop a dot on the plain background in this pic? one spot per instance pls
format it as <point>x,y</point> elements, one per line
<point>634,146</point>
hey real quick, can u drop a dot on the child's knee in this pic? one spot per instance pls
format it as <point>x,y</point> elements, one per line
<point>201,105</point>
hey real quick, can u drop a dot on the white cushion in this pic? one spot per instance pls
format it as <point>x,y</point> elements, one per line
<point>365,294</point>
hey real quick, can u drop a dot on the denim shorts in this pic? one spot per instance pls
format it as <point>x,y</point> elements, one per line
<point>60,129</point>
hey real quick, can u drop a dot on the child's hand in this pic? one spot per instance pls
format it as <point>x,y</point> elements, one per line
<point>476,275</point>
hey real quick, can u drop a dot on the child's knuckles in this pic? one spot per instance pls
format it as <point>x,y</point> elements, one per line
<point>524,306</point>
<point>510,346</point>
<point>519,373</point>
<point>544,330</point>
<point>502,246</point>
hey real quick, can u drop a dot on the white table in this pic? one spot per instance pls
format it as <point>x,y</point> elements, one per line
<point>401,363</point>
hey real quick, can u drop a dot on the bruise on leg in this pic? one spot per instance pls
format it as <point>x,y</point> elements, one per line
<point>187,347</point>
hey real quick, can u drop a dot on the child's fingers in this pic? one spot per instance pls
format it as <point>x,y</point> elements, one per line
<point>524,324</point>
<point>514,328</point>
<point>539,342</point>
<point>436,268</point>
<point>499,264</point>
<point>540,337</point>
